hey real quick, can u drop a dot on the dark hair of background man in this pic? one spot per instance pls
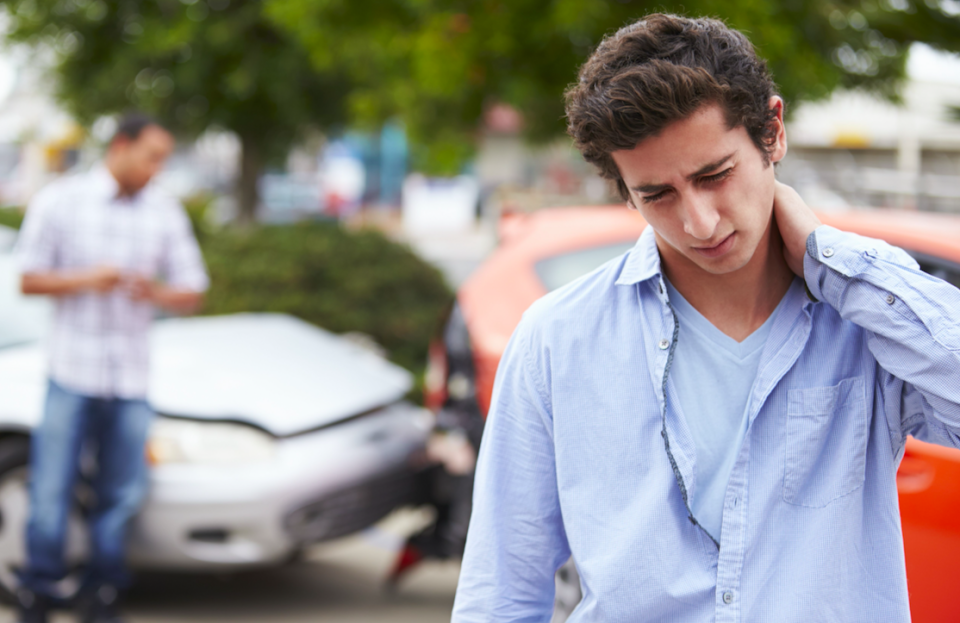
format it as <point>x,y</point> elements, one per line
<point>132,124</point>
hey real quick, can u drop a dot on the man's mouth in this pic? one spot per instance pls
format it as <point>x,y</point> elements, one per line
<point>718,249</point>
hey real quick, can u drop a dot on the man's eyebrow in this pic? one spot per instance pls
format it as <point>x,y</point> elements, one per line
<point>710,167</point>
<point>655,188</point>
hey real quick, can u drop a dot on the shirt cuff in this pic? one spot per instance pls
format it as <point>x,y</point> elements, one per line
<point>835,257</point>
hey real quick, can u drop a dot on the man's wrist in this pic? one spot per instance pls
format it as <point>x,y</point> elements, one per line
<point>81,281</point>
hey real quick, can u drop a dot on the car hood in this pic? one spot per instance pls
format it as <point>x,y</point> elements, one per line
<point>270,370</point>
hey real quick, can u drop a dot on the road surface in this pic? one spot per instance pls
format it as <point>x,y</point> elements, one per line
<point>335,582</point>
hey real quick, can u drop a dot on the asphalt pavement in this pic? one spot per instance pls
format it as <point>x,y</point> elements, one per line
<point>340,581</point>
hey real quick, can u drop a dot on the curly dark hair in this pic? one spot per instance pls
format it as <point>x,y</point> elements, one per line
<point>659,70</point>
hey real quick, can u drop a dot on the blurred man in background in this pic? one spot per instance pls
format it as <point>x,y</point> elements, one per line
<point>109,249</point>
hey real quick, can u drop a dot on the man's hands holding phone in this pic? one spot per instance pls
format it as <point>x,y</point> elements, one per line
<point>101,279</point>
<point>140,288</point>
<point>796,222</point>
<point>106,279</point>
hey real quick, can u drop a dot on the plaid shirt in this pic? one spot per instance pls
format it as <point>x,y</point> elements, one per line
<point>99,345</point>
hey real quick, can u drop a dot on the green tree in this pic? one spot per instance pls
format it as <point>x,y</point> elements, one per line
<point>195,64</point>
<point>438,63</point>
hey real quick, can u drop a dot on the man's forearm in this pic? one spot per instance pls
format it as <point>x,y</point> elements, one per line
<point>914,333</point>
<point>60,283</point>
<point>176,300</point>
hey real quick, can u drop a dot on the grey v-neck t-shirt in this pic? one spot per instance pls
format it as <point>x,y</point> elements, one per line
<point>712,375</point>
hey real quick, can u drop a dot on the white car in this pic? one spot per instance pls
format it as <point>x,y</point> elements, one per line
<point>272,434</point>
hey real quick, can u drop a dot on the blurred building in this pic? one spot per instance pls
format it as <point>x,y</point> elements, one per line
<point>857,149</point>
<point>515,176</point>
<point>37,139</point>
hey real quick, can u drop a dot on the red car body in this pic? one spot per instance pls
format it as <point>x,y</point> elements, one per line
<point>493,300</point>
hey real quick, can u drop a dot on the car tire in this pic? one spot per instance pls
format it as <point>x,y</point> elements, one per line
<point>14,511</point>
<point>14,460</point>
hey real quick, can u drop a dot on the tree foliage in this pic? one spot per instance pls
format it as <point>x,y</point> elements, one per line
<point>438,63</point>
<point>337,279</point>
<point>195,64</point>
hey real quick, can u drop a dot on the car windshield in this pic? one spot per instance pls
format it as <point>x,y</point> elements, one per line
<point>560,270</point>
<point>22,319</point>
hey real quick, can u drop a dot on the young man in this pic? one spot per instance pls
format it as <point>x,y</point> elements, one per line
<point>711,424</point>
<point>98,243</point>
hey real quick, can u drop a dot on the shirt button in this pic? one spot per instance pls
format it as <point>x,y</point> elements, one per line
<point>891,299</point>
<point>727,597</point>
<point>664,344</point>
<point>828,252</point>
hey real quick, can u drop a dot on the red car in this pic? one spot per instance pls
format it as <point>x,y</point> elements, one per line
<point>545,250</point>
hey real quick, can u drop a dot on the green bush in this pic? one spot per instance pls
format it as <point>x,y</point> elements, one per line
<point>11,217</point>
<point>337,279</point>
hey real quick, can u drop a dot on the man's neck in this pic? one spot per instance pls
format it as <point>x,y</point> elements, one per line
<point>116,173</point>
<point>737,303</point>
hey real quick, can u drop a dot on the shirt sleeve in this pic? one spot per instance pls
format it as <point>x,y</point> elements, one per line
<point>516,541</point>
<point>912,324</point>
<point>37,244</point>
<point>183,266</point>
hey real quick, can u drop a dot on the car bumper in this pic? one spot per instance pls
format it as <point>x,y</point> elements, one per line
<point>319,485</point>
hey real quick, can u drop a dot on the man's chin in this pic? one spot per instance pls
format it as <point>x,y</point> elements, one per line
<point>725,265</point>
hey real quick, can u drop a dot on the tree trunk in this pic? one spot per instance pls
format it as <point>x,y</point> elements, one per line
<point>251,167</point>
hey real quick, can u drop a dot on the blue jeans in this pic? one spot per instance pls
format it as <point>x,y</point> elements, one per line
<point>116,430</point>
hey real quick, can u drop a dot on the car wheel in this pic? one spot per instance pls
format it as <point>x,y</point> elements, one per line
<point>14,511</point>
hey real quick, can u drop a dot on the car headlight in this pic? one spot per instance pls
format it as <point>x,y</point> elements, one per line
<point>210,443</point>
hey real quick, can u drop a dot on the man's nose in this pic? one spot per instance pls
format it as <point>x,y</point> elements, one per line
<point>700,217</point>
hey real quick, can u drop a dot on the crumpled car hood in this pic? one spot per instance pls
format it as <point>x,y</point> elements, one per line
<point>270,370</point>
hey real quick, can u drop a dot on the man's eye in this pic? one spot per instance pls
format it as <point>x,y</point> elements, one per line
<point>717,176</point>
<point>654,198</point>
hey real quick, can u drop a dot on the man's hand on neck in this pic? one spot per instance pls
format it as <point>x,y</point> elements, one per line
<point>796,221</point>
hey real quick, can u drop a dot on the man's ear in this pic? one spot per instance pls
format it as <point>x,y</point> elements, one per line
<point>779,143</point>
<point>624,191</point>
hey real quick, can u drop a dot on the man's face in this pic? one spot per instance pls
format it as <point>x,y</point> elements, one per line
<point>139,160</point>
<point>706,190</point>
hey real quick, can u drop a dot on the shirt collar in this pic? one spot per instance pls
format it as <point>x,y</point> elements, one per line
<point>643,260</point>
<point>103,181</point>
<point>643,263</point>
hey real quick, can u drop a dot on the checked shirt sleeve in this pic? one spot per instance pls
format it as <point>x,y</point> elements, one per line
<point>913,328</point>
<point>183,262</point>
<point>39,239</point>
<point>516,539</point>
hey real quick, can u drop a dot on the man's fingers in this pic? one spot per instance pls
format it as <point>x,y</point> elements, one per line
<point>796,221</point>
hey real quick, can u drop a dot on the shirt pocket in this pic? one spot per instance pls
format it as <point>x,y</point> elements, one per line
<point>826,443</point>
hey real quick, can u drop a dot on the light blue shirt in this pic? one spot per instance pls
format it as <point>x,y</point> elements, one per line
<point>584,452</point>
<point>712,375</point>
